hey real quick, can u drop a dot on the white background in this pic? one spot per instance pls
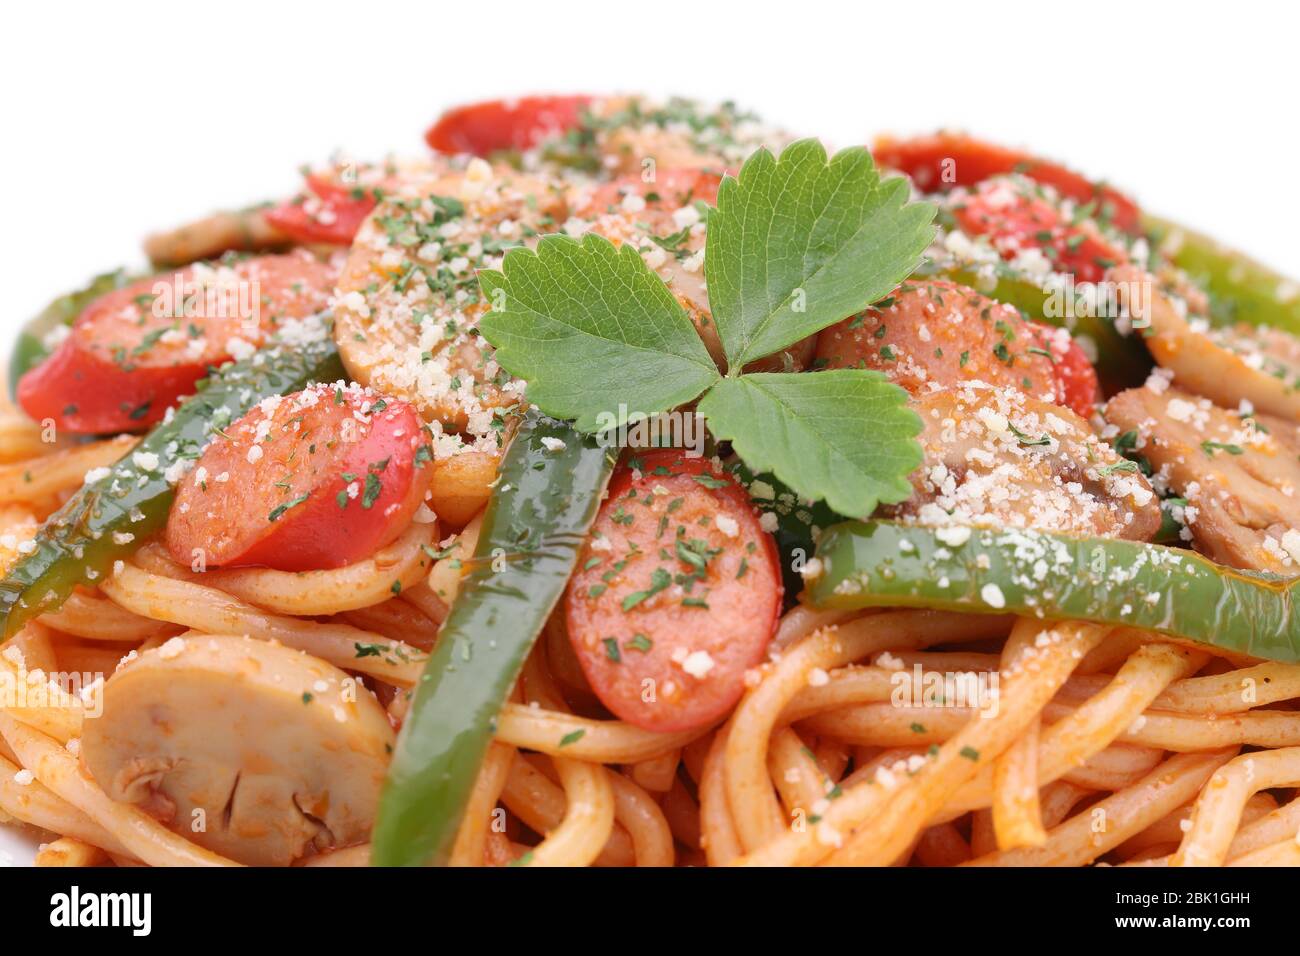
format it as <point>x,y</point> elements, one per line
<point>122,118</point>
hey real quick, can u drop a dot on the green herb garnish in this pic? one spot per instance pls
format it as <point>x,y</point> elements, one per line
<point>796,244</point>
<point>278,511</point>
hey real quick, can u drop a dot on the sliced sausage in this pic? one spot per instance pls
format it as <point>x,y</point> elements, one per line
<point>676,595</point>
<point>318,479</point>
<point>135,351</point>
<point>997,458</point>
<point>250,749</point>
<point>933,334</point>
<point>663,191</point>
<point>943,160</point>
<point>1019,222</point>
<point>327,211</point>
<point>616,134</point>
<point>495,125</point>
<point>336,199</point>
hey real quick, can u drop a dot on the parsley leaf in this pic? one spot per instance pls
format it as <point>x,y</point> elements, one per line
<point>1210,447</point>
<point>278,511</point>
<point>1122,466</point>
<point>798,243</point>
<point>844,436</point>
<point>592,328</point>
<point>659,580</point>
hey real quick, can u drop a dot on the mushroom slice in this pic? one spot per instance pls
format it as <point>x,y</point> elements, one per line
<point>252,230</point>
<point>408,300</point>
<point>252,750</point>
<point>1240,475</point>
<point>1254,364</point>
<point>242,230</point>
<point>996,457</point>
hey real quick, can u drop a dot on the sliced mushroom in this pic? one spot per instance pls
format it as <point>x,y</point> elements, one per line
<point>242,230</point>
<point>252,750</point>
<point>1240,475</point>
<point>408,300</point>
<point>996,457</point>
<point>250,230</point>
<point>1254,364</point>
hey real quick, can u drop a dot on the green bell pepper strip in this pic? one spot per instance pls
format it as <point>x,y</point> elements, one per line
<point>537,519</point>
<point>1124,583</point>
<point>29,350</point>
<point>1240,289</point>
<point>1122,360</point>
<point>107,519</point>
<point>798,521</point>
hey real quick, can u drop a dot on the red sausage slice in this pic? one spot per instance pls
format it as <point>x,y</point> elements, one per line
<point>328,211</point>
<point>668,191</point>
<point>938,334</point>
<point>677,594</point>
<point>317,479</point>
<point>936,163</point>
<point>1015,220</point>
<point>484,128</point>
<point>133,352</point>
<point>1077,387</point>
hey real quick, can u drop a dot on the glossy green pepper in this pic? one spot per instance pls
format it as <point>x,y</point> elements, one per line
<point>536,521</point>
<point>1240,289</point>
<point>798,522</point>
<point>107,519</point>
<point>1009,571</point>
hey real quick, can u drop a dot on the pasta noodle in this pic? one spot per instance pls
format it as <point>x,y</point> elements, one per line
<point>769,785</point>
<point>401,565</point>
<point>1104,734</point>
<point>215,612</point>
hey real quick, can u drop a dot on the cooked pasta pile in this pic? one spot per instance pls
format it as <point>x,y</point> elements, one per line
<point>1108,744</point>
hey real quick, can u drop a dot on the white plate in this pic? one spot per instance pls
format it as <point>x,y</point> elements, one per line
<point>17,846</point>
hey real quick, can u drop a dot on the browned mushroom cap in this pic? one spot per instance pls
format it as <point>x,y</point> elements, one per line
<point>243,230</point>
<point>1254,364</point>
<point>1240,475</point>
<point>252,750</point>
<point>996,457</point>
